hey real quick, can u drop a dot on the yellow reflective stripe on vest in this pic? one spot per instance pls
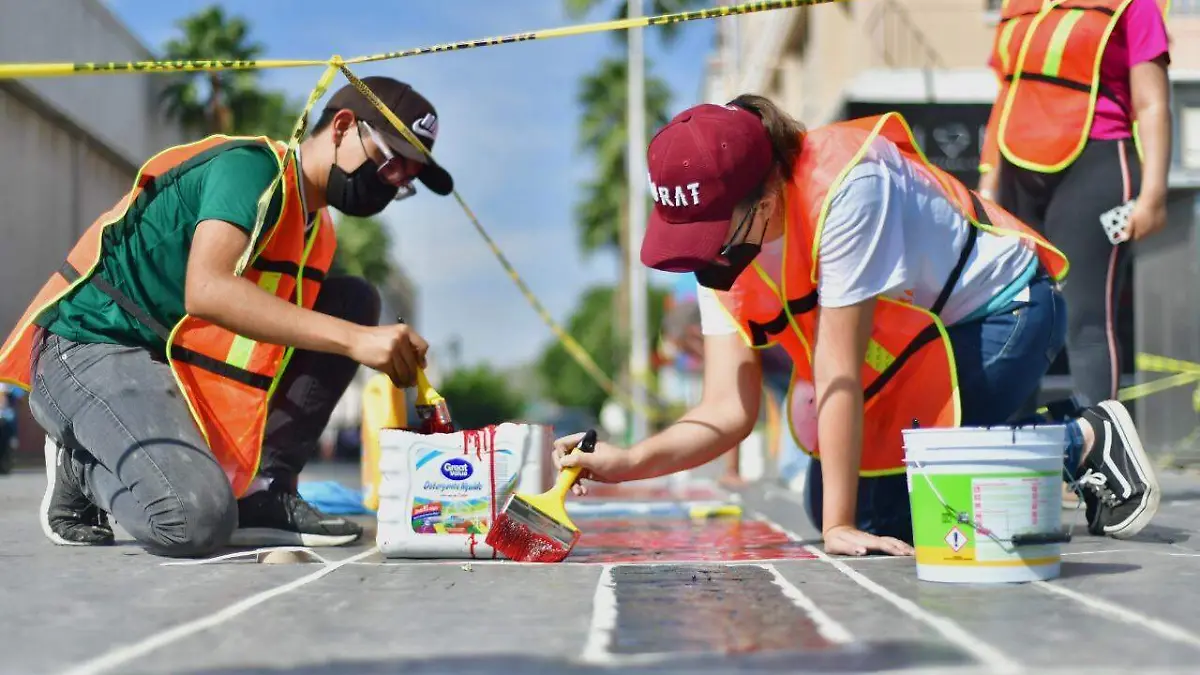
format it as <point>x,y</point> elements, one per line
<point>308,247</point>
<point>878,357</point>
<point>1005,38</point>
<point>1058,42</point>
<point>243,347</point>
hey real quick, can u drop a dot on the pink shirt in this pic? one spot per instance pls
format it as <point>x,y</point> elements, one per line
<point>1140,36</point>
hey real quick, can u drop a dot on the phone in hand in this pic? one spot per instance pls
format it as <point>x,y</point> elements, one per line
<point>1115,222</point>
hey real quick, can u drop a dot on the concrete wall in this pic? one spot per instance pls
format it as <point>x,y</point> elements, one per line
<point>119,111</point>
<point>71,145</point>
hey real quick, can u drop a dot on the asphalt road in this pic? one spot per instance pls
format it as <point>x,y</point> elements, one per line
<point>639,594</point>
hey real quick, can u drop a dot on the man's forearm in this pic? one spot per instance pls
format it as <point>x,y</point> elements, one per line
<point>238,305</point>
<point>699,437</point>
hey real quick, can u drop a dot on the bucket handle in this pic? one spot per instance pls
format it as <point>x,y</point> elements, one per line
<point>1016,540</point>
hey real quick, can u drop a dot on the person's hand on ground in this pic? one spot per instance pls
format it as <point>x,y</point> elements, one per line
<point>845,540</point>
<point>395,350</point>
<point>606,464</point>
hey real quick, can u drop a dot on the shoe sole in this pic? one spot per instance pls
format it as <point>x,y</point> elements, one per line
<point>50,454</point>
<point>261,536</point>
<point>1148,507</point>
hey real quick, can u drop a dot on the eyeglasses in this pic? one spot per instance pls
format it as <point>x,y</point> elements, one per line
<point>393,171</point>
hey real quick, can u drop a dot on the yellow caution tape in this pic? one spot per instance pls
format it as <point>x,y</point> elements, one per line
<point>1183,373</point>
<point>598,27</point>
<point>1162,364</point>
<point>31,70</point>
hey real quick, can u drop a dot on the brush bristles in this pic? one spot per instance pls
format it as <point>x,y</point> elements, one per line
<point>523,533</point>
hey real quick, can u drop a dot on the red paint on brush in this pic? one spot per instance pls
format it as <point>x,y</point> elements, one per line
<point>520,544</point>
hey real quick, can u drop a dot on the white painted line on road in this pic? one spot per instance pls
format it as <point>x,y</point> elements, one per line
<point>827,626</point>
<point>1108,550</point>
<point>983,652</point>
<point>604,620</point>
<point>1132,550</point>
<point>1168,631</point>
<point>120,656</point>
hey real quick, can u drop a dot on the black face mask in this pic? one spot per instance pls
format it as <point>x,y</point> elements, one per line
<point>361,193</point>
<point>738,256</point>
<point>721,277</point>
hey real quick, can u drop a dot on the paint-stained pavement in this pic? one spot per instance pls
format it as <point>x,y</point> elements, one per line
<point>679,596</point>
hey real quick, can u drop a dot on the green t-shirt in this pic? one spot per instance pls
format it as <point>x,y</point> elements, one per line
<point>145,254</point>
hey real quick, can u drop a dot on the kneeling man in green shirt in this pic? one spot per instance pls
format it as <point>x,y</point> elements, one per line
<point>147,427</point>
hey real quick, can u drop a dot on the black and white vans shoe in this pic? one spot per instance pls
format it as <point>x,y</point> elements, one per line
<point>278,516</point>
<point>68,517</point>
<point>1119,485</point>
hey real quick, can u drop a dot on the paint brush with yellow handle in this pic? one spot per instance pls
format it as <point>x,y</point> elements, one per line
<point>433,413</point>
<point>536,528</point>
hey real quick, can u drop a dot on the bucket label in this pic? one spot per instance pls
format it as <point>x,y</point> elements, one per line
<point>980,514</point>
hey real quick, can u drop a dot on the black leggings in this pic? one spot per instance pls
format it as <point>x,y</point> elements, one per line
<point>1066,208</point>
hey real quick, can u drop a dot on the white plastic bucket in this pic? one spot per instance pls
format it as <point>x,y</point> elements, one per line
<point>971,489</point>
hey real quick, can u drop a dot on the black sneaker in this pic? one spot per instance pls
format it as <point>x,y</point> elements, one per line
<point>279,517</point>
<point>1119,486</point>
<point>68,517</point>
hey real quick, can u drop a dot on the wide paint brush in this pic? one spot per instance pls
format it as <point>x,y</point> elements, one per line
<point>536,528</point>
<point>433,413</point>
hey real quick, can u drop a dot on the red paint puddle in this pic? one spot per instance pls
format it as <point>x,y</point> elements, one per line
<point>626,492</point>
<point>649,540</point>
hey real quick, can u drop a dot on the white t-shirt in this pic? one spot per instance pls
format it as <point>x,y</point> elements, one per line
<point>891,232</point>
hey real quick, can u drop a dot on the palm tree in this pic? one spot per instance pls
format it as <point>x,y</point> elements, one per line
<point>602,215</point>
<point>217,101</point>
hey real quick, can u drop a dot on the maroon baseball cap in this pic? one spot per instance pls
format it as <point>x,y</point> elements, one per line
<point>702,164</point>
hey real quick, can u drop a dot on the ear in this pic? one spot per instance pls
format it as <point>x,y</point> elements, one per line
<point>773,194</point>
<point>343,121</point>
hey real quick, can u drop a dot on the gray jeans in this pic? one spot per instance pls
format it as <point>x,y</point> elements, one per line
<point>141,457</point>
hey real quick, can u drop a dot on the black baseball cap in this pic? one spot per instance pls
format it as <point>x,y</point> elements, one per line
<point>414,110</point>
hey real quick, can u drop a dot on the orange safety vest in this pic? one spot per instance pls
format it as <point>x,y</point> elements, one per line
<point>1049,54</point>
<point>908,373</point>
<point>226,379</point>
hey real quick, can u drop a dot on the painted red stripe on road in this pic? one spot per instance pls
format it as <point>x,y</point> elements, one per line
<point>682,540</point>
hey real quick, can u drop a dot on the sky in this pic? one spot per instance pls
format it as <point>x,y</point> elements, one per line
<point>507,132</point>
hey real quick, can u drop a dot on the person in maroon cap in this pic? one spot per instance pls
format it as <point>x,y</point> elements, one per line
<point>904,297</point>
<point>122,439</point>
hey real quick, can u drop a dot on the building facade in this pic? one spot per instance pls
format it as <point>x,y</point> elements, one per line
<point>71,145</point>
<point>928,60</point>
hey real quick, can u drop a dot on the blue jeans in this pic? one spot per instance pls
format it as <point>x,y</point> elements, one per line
<point>1001,359</point>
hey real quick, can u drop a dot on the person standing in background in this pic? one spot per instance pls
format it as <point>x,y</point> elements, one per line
<point>1061,150</point>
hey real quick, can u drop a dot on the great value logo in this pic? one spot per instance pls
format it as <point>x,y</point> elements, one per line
<point>457,469</point>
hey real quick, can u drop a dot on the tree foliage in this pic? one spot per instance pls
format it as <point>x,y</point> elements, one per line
<point>479,396</point>
<point>228,101</point>
<point>566,382</point>
<point>363,249</point>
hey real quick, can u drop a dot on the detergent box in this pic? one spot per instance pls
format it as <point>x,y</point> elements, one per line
<point>440,493</point>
